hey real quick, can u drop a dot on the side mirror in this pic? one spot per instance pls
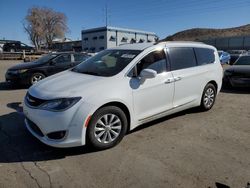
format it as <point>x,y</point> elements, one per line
<point>148,73</point>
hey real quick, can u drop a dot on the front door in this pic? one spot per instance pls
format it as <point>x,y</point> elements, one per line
<point>60,63</point>
<point>155,95</point>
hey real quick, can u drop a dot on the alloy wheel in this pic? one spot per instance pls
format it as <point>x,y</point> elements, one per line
<point>209,97</point>
<point>108,128</point>
<point>36,78</point>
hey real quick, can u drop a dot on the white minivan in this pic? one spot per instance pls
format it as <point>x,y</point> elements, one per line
<point>101,99</point>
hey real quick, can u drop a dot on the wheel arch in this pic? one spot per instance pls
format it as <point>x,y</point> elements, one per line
<point>202,107</point>
<point>123,107</point>
<point>214,83</point>
<point>33,71</point>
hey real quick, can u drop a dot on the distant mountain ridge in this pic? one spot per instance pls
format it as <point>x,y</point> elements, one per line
<point>199,34</point>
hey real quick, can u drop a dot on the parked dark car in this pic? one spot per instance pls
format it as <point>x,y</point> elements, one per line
<point>32,72</point>
<point>238,75</point>
<point>17,46</point>
<point>234,58</point>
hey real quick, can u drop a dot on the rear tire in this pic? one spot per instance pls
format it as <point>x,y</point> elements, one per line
<point>107,127</point>
<point>208,97</point>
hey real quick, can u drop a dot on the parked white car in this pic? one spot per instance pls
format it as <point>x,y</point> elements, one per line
<point>100,100</point>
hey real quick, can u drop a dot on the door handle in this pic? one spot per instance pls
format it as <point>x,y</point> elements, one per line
<point>177,78</point>
<point>169,80</point>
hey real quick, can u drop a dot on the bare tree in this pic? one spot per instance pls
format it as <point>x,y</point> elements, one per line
<point>54,25</point>
<point>43,25</point>
<point>34,27</point>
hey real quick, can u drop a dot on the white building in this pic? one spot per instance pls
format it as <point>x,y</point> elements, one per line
<point>97,39</point>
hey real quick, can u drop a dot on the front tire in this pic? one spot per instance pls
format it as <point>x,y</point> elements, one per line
<point>107,127</point>
<point>208,97</point>
<point>36,77</point>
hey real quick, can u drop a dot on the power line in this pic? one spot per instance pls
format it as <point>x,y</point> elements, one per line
<point>154,4</point>
<point>157,5</point>
<point>173,13</point>
<point>172,19</point>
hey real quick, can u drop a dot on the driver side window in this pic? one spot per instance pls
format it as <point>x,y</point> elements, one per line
<point>155,60</point>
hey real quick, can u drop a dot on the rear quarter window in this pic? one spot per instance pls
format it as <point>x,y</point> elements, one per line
<point>204,56</point>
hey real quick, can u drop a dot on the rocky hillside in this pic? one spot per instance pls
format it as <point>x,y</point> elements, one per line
<point>199,34</point>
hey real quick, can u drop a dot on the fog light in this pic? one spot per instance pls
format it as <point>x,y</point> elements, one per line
<point>56,135</point>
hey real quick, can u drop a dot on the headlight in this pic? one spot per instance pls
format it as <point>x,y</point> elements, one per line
<point>22,71</point>
<point>59,104</point>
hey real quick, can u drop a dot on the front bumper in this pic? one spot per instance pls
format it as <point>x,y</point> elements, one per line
<point>21,78</point>
<point>72,121</point>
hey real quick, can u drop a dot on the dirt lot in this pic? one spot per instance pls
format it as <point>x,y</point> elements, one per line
<point>189,149</point>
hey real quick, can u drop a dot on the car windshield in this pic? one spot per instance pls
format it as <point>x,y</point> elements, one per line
<point>107,63</point>
<point>45,58</point>
<point>233,59</point>
<point>244,60</point>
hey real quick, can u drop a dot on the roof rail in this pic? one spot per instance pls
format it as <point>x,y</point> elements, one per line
<point>177,41</point>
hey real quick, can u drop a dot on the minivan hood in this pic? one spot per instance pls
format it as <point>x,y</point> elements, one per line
<point>21,66</point>
<point>66,84</point>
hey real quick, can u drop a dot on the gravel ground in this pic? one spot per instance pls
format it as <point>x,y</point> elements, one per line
<point>188,149</point>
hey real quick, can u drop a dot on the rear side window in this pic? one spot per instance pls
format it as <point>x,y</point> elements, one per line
<point>181,58</point>
<point>204,56</point>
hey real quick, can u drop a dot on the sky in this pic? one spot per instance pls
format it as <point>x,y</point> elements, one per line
<point>164,17</point>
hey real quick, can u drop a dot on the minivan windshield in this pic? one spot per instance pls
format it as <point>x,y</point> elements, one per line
<point>107,63</point>
<point>46,58</point>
